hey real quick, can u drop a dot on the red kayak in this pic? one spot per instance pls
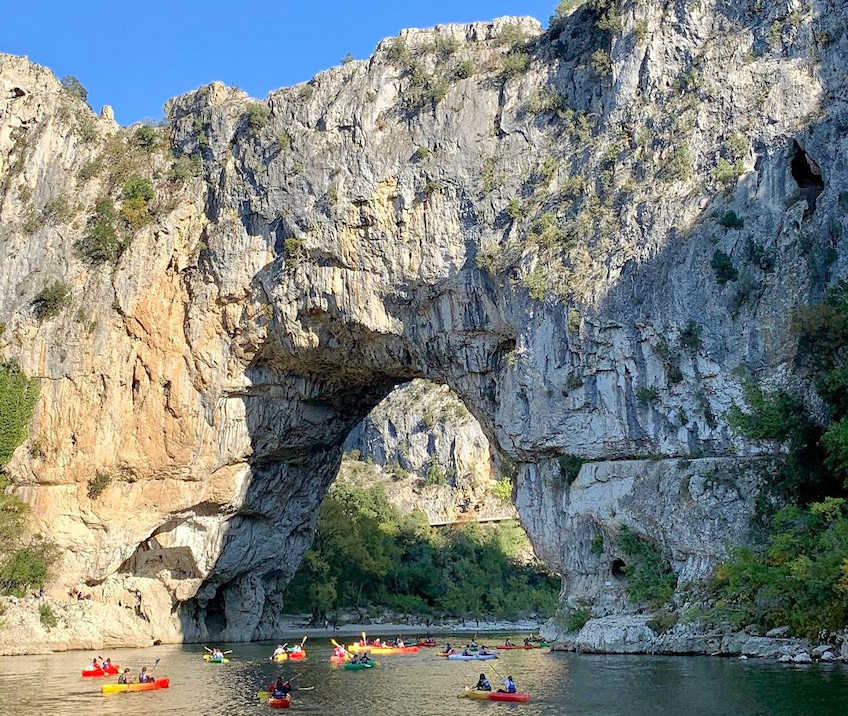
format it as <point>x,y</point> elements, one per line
<point>426,643</point>
<point>93,673</point>
<point>504,647</point>
<point>518,696</point>
<point>279,703</point>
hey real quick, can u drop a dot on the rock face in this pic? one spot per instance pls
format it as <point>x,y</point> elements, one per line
<point>545,229</point>
<point>430,454</point>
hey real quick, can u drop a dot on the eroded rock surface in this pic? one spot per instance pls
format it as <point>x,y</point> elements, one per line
<point>533,227</point>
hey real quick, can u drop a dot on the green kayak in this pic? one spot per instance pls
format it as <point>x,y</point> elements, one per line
<point>358,667</point>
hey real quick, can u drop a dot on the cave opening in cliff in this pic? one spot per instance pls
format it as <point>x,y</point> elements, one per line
<point>807,176</point>
<point>216,615</point>
<point>618,569</point>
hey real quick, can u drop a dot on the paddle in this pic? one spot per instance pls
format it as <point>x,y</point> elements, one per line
<point>339,646</point>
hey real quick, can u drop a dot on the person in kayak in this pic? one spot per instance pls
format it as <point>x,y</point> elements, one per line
<point>93,665</point>
<point>365,659</point>
<point>106,665</point>
<point>466,652</point>
<point>448,648</point>
<point>124,677</point>
<point>144,677</point>
<point>507,642</point>
<point>217,653</point>
<point>509,686</point>
<point>281,689</point>
<point>279,650</point>
<point>399,643</point>
<point>527,642</point>
<point>483,684</point>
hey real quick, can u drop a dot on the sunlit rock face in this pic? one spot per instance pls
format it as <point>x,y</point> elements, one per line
<point>534,227</point>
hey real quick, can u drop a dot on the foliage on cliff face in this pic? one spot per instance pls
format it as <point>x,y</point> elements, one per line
<point>368,554</point>
<point>649,576</point>
<point>18,395</point>
<point>23,561</point>
<point>799,579</point>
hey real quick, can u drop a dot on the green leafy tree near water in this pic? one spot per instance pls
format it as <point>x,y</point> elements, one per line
<point>367,554</point>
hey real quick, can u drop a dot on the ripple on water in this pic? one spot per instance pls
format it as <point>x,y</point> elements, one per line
<point>419,684</point>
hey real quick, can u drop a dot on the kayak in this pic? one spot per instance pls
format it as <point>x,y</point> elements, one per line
<point>279,703</point>
<point>162,683</point>
<point>472,657</point>
<point>294,655</point>
<point>384,649</point>
<point>504,647</point>
<point>339,658</point>
<point>93,673</point>
<point>359,667</point>
<point>426,644</point>
<point>517,697</point>
<point>223,660</point>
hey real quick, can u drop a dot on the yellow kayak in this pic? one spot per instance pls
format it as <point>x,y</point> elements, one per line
<point>383,649</point>
<point>162,683</point>
<point>208,657</point>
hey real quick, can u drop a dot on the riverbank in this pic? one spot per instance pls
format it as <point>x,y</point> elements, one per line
<point>639,634</point>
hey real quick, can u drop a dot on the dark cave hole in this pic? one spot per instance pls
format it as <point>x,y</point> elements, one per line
<point>807,175</point>
<point>216,617</point>
<point>618,568</point>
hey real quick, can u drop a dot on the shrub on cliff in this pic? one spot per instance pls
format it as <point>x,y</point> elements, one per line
<point>74,87</point>
<point>18,395</point>
<point>50,300</point>
<point>99,244</point>
<point>649,576</point>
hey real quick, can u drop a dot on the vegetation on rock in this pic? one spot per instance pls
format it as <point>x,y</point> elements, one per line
<point>367,554</point>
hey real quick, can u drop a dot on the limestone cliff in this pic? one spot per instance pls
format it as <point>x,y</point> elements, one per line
<point>531,218</point>
<point>429,453</point>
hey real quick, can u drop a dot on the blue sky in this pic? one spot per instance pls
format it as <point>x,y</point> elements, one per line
<point>135,56</point>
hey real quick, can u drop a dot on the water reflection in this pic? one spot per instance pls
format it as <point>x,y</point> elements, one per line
<point>426,684</point>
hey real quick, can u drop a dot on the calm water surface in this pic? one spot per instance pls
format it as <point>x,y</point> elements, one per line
<point>424,684</point>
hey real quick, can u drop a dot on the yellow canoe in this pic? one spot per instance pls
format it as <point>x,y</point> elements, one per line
<point>162,683</point>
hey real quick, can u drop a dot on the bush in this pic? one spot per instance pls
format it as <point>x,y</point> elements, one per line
<point>138,187</point>
<point>146,138</point>
<point>50,300</point>
<point>648,396</point>
<point>257,117</point>
<point>46,616</point>
<point>347,59</point>
<point>91,169</point>
<point>727,173</point>
<point>680,165</point>
<point>502,489</point>
<point>730,220</point>
<point>18,396</point>
<point>185,168</point>
<point>759,256</point>
<point>547,99</point>
<point>723,266</point>
<point>422,154</point>
<point>774,416</point>
<point>514,64</point>
<point>662,622</point>
<point>576,619</point>
<point>74,87</point>
<point>511,35</point>
<point>99,243</point>
<point>134,213</point>
<point>690,336</point>
<point>597,545</point>
<point>649,576</point>
<point>799,578</point>
<point>435,475</point>
<point>569,467</point>
<point>465,69</point>
<point>601,63</point>
<point>98,483</point>
<point>516,210</point>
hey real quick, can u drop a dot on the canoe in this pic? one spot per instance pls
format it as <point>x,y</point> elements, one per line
<point>359,667</point>
<point>384,649</point>
<point>517,697</point>
<point>504,647</point>
<point>94,673</point>
<point>472,657</point>
<point>279,703</point>
<point>162,683</point>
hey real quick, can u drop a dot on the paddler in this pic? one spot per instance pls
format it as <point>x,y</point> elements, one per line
<point>399,643</point>
<point>507,642</point>
<point>144,677</point>
<point>279,650</point>
<point>448,648</point>
<point>94,665</point>
<point>365,659</point>
<point>124,677</point>
<point>107,665</point>
<point>217,653</point>
<point>483,684</point>
<point>509,686</point>
<point>281,689</point>
<point>527,642</point>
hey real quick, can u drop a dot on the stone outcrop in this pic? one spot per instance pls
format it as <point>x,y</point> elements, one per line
<point>429,453</point>
<point>533,225</point>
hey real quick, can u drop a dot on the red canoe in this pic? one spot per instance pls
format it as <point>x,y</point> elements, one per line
<point>279,703</point>
<point>92,673</point>
<point>519,696</point>
<point>426,643</point>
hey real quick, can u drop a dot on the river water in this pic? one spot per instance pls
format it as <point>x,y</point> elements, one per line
<point>424,684</point>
